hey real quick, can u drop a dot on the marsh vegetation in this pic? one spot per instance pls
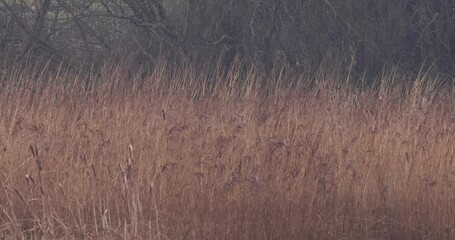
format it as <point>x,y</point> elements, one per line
<point>183,155</point>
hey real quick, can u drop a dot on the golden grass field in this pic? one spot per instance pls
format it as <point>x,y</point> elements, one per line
<point>181,155</point>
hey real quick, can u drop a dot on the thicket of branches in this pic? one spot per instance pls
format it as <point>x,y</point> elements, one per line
<point>357,35</point>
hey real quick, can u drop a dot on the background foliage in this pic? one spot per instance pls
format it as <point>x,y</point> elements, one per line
<point>361,36</point>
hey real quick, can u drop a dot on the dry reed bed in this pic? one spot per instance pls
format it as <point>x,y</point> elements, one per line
<point>130,160</point>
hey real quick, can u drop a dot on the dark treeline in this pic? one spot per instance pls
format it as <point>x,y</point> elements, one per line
<point>363,37</point>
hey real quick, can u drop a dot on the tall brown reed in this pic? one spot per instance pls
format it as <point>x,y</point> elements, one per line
<point>184,154</point>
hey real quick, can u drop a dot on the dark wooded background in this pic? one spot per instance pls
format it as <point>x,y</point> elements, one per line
<point>364,37</point>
